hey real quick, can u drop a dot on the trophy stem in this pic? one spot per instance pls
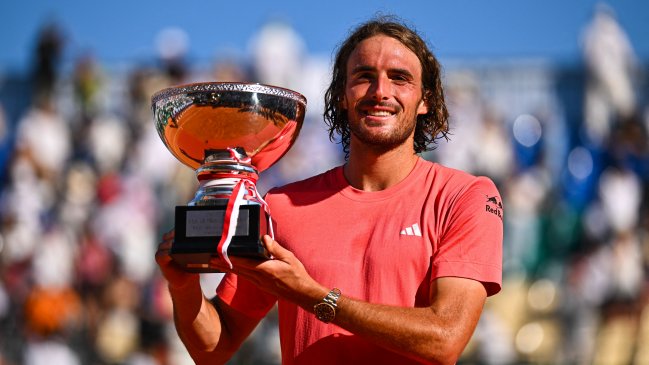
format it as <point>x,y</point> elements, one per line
<point>219,175</point>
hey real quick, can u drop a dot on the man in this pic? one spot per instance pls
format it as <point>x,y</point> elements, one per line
<point>387,259</point>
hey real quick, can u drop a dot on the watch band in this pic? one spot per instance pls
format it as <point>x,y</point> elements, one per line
<point>332,297</point>
<point>325,310</point>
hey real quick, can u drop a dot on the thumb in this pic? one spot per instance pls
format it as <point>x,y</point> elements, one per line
<point>274,248</point>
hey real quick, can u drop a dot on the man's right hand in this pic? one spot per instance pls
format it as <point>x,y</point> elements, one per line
<point>175,275</point>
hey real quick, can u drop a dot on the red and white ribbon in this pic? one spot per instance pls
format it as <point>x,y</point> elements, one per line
<point>231,218</point>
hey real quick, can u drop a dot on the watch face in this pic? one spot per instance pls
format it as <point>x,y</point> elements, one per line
<point>325,312</point>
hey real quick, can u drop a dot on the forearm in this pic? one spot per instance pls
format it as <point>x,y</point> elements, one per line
<point>211,331</point>
<point>437,333</point>
<point>197,321</point>
<point>422,333</point>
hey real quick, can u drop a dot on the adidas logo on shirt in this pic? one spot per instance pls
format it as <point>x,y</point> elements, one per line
<point>412,230</point>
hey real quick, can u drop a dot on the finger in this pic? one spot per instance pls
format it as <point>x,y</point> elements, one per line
<point>169,235</point>
<point>162,256</point>
<point>242,267</point>
<point>239,264</point>
<point>274,248</point>
<point>163,251</point>
<point>165,245</point>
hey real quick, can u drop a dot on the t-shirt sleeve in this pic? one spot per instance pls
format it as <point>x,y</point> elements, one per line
<point>472,239</point>
<point>245,297</point>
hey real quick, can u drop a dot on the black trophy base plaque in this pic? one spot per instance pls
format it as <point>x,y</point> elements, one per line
<point>198,233</point>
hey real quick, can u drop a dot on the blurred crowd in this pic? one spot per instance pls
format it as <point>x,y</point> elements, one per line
<point>87,189</point>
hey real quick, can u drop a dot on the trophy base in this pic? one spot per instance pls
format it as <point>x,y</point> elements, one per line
<point>198,231</point>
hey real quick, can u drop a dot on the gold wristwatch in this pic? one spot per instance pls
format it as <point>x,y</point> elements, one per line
<point>326,310</point>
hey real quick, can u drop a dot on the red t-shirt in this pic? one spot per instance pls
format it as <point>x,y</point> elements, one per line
<point>381,247</point>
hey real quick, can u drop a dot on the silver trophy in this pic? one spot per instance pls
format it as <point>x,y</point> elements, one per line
<point>228,133</point>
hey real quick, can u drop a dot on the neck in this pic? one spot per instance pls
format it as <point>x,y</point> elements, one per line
<point>371,170</point>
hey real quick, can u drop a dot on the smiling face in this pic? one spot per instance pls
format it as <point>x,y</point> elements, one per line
<point>383,93</point>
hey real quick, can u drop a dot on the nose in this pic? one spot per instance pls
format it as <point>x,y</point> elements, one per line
<point>380,89</point>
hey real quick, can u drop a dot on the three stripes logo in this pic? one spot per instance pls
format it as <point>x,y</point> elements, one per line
<point>412,231</point>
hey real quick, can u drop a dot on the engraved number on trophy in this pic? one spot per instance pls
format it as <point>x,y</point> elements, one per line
<point>208,223</point>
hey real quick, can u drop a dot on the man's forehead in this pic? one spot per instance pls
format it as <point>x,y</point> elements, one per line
<point>383,51</point>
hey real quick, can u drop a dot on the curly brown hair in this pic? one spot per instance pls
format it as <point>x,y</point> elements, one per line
<point>430,126</point>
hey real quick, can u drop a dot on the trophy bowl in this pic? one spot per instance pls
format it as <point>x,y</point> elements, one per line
<point>228,133</point>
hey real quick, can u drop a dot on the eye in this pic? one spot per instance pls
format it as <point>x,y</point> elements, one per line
<point>364,76</point>
<point>400,78</point>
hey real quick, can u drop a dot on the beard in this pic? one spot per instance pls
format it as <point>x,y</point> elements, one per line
<point>385,140</point>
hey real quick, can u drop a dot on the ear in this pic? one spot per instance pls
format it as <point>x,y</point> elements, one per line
<point>343,103</point>
<point>423,107</point>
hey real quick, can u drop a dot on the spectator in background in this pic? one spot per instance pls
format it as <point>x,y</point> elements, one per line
<point>49,49</point>
<point>87,84</point>
<point>44,139</point>
<point>172,44</point>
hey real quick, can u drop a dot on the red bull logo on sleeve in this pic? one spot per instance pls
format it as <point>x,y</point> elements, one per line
<point>494,206</point>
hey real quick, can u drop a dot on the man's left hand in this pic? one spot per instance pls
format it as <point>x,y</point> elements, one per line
<point>283,275</point>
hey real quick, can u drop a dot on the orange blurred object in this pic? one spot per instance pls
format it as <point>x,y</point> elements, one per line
<point>50,310</point>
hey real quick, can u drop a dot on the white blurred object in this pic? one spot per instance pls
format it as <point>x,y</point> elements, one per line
<point>108,136</point>
<point>628,274</point>
<point>137,247</point>
<point>466,112</point>
<point>209,283</point>
<point>20,242</point>
<point>80,192</point>
<point>621,195</point>
<point>53,264</point>
<point>178,354</point>
<point>26,199</point>
<point>494,337</point>
<point>313,83</point>
<point>277,52</point>
<point>46,136</point>
<point>117,335</point>
<point>152,160</point>
<point>613,65</point>
<point>172,43</point>
<point>495,158</point>
<point>50,353</point>
<point>126,224</point>
<point>595,286</point>
<point>140,358</point>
